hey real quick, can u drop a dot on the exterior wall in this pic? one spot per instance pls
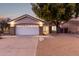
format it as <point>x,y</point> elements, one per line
<point>45,29</point>
<point>12,30</point>
<point>73,27</point>
<point>41,30</point>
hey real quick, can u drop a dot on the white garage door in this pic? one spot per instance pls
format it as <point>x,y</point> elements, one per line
<point>27,30</point>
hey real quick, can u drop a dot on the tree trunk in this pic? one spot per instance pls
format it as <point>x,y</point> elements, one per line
<point>57,27</point>
<point>50,29</point>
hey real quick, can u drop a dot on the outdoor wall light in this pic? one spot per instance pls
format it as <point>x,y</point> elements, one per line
<point>40,24</point>
<point>12,23</point>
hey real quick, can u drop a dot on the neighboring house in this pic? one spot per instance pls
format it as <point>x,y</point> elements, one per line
<point>28,25</point>
<point>72,25</point>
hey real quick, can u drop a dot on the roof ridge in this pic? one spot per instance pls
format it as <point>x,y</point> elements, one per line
<point>26,15</point>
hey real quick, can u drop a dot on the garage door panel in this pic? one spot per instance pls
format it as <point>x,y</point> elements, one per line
<point>27,30</point>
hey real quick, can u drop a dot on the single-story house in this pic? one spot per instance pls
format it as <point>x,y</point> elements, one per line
<point>72,25</point>
<point>28,25</point>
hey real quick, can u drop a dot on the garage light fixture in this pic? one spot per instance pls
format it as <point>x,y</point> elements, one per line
<point>12,23</point>
<point>40,24</point>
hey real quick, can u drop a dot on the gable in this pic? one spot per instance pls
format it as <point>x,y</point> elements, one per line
<point>27,20</point>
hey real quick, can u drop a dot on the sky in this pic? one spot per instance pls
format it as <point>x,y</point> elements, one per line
<point>14,10</point>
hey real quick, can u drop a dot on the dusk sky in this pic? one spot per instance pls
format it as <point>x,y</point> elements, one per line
<point>13,10</point>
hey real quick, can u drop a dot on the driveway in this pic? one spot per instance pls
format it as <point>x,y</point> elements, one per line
<point>18,46</point>
<point>55,45</point>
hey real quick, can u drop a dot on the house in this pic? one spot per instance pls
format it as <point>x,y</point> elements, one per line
<point>28,25</point>
<point>72,25</point>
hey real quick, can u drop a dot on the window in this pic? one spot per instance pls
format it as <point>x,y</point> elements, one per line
<point>53,28</point>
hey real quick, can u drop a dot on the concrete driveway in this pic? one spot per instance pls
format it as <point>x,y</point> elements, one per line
<point>18,46</point>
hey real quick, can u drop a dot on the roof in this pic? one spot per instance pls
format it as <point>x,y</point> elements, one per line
<point>24,16</point>
<point>74,19</point>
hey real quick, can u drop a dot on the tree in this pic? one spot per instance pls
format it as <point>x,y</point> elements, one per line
<point>55,13</point>
<point>4,25</point>
<point>76,10</point>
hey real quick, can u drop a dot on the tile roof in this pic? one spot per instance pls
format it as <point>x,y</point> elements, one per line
<point>26,15</point>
